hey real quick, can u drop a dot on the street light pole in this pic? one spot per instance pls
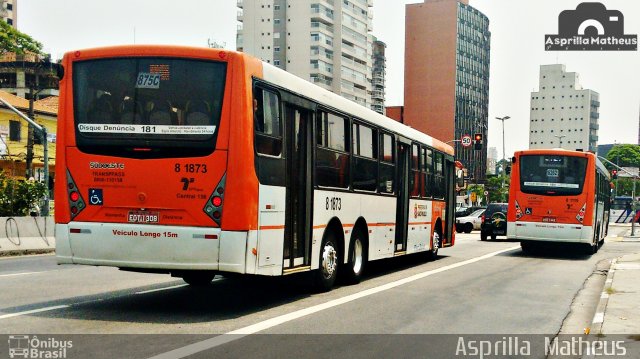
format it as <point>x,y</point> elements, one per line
<point>503,150</point>
<point>560,138</point>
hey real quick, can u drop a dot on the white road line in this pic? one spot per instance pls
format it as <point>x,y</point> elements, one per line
<point>269,323</point>
<point>161,289</point>
<point>17,274</point>
<point>5,316</point>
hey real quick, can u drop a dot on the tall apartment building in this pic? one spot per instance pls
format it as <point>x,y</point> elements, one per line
<point>563,114</point>
<point>379,72</point>
<point>446,80</point>
<point>9,12</point>
<point>492,160</point>
<point>323,41</point>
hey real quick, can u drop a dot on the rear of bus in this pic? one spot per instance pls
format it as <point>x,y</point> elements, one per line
<point>151,161</point>
<point>551,197</point>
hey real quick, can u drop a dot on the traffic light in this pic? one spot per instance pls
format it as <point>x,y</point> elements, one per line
<point>614,174</point>
<point>477,141</point>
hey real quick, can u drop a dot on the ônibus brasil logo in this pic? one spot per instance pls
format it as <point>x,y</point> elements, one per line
<point>28,347</point>
<point>591,27</point>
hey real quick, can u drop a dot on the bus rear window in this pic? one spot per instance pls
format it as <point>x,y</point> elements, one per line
<point>148,107</point>
<point>552,174</point>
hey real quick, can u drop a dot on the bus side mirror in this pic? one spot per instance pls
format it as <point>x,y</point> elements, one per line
<point>460,178</point>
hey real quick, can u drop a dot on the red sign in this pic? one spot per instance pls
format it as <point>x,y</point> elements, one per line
<point>466,141</point>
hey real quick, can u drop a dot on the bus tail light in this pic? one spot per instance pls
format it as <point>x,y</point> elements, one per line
<point>519,213</point>
<point>76,203</point>
<point>580,216</point>
<point>213,207</point>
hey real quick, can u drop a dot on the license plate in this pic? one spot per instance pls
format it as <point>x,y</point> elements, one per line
<point>549,219</point>
<point>143,217</point>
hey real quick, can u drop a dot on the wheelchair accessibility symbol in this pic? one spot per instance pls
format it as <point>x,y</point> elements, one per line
<point>95,196</point>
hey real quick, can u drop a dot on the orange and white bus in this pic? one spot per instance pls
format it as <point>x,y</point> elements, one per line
<point>558,196</point>
<point>195,161</point>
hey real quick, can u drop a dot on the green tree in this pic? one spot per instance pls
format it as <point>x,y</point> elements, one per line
<point>624,186</point>
<point>19,197</point>
<point>478,190</point>
<point>625,155</point>
<point>498,193</point>
<point>12,40</point>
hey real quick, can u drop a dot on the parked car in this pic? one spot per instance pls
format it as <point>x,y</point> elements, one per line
<point>465,211</point>
<point>494,221</point>
<point>469,223</point>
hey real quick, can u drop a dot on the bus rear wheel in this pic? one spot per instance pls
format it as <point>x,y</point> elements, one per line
<point>326,275</point>
<point>198,279</point>
<point>357,258</point>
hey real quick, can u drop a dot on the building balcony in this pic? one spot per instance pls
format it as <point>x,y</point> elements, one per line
<point>240,15</point>
<point>240,3</point>
<point>594,126</point>
<point>378,108</point>
<point>377,94</point>
<point>595,115</point>
<point>321,70</point>
<point>595,103</point>
<point>324,15</point>
<point>322,27</point>
<point>327,3</point>
<point>377,82</point>
<point>593,138</point>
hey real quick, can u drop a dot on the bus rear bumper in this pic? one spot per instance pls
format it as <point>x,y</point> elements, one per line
<point>549,232</point>
<point>151,247</point>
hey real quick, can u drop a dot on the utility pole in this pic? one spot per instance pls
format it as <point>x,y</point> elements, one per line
<point>30,139</point>
<point>503,152</point>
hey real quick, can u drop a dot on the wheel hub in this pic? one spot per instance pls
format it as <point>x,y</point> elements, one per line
<point>329,260</point>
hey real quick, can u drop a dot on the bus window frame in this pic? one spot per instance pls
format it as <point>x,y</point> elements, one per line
<point>356,124</point>
<point>324,145</point>
<point>256,133</point>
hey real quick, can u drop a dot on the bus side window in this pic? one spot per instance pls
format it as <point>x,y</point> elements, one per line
<point>429,190</point>
<point>386,169</point>
<point>267,123</point>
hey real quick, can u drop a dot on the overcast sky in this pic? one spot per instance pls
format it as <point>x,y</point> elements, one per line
<point>517,49</point>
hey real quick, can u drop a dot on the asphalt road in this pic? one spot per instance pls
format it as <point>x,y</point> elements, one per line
<point>474,288</point>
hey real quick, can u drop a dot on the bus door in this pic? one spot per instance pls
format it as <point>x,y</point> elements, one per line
<point>402,208</point>
<point>298,127</point>
<point>450,201</point>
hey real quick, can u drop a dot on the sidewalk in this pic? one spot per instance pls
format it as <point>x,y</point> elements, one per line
<point>619,309</point>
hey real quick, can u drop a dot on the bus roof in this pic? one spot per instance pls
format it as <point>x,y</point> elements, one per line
<point>305,88</point>
<point>564,152</point>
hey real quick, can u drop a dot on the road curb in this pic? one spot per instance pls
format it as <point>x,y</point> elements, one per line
<point>598,317</point>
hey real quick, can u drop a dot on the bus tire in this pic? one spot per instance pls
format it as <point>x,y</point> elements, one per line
<point>326,275</point>
<point>198,279</point>
<point>589,248</point>
<point>527,247</point>
<point>357,258</point>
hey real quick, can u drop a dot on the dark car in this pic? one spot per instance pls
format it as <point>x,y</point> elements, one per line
<point>465,211</point>
<point>494,222</point>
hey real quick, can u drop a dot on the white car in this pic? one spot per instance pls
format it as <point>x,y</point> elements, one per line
<point>469,223</point>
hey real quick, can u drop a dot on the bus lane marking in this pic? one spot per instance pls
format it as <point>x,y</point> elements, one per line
<point>270,323</point>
